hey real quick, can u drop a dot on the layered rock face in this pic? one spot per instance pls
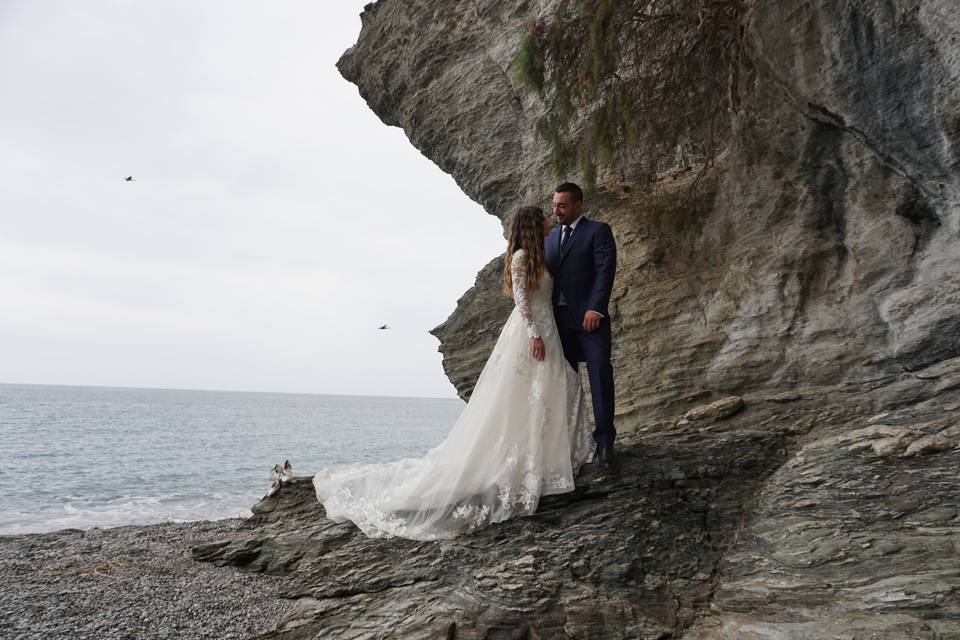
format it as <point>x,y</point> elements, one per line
<point>819,285</point>
<point>827,513</point>
<point>830,251</point>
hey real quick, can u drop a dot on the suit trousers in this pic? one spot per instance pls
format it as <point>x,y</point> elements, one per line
<point>594,348</point>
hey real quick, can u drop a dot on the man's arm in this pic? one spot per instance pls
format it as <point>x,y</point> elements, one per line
<point>605,264</point>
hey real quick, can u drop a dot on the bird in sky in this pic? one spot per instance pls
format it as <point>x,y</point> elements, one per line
<point>382,327</point>
<point>129,179</point>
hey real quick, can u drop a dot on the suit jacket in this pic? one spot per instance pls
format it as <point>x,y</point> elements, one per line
<point>585,272</point>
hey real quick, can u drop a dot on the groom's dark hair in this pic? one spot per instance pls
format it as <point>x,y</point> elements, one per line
<point>569,187</point>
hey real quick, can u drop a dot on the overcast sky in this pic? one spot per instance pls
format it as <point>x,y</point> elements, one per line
<point>274,223</point>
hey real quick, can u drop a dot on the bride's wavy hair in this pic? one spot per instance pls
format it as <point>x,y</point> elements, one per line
<point>526,232</point>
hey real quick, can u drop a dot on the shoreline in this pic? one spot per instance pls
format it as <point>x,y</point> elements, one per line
<point>159,523</point>
<point>133,525</point>
<point>132,581</point>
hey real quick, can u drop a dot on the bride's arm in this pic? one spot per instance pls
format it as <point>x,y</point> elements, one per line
<point>518,276</point>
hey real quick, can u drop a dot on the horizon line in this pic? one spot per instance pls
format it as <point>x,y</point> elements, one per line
<point>289,393</point>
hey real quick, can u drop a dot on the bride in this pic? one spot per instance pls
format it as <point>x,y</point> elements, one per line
<point>522,435</point>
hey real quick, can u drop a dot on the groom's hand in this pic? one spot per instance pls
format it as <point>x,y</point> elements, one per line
<point>539,351</point>
<point>591,321</point>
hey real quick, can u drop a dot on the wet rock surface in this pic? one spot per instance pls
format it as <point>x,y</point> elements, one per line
<point>782,520</point>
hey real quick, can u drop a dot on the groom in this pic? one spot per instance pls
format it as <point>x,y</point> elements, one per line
<point>582,258</point>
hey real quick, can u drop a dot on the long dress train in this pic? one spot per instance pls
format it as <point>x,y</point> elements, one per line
<point>522,435</point>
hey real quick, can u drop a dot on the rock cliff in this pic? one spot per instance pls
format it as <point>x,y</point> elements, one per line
<point>828,249</point>
<point>817,279</point>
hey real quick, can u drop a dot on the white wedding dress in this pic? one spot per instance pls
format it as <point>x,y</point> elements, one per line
<point>522,435</point>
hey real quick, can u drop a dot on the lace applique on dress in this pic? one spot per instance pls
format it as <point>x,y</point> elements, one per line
<point>518,277</point>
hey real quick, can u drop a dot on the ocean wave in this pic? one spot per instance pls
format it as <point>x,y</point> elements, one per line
<point>134,510</point>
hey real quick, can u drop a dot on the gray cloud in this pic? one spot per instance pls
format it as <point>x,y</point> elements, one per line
<point>273,224</point>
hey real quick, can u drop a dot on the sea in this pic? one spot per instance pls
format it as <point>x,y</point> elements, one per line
<point>84,457</point>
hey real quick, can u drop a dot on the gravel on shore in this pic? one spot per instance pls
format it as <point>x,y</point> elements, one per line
<point>131,582</point>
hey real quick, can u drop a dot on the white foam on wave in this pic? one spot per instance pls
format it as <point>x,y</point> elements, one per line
<point>129,510</point>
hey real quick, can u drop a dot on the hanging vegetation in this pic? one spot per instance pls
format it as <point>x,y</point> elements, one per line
<point>618,73</point>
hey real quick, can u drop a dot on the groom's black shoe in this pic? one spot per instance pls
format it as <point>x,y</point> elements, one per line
<point>606,456</point>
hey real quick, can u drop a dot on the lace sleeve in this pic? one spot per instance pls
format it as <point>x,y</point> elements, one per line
<point>518,272</point>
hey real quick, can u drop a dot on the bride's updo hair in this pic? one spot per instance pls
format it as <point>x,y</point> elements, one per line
<point>526,232</point>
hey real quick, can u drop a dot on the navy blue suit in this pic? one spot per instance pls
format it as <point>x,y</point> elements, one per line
<point>584,274</point>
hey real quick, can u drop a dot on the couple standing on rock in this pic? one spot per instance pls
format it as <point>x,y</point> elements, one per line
<point>524,432</point>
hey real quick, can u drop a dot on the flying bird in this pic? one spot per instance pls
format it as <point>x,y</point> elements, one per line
<point>129,179</point>
<point>382,327</point>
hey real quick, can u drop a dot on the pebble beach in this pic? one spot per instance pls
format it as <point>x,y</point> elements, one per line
<point>131,582</point>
